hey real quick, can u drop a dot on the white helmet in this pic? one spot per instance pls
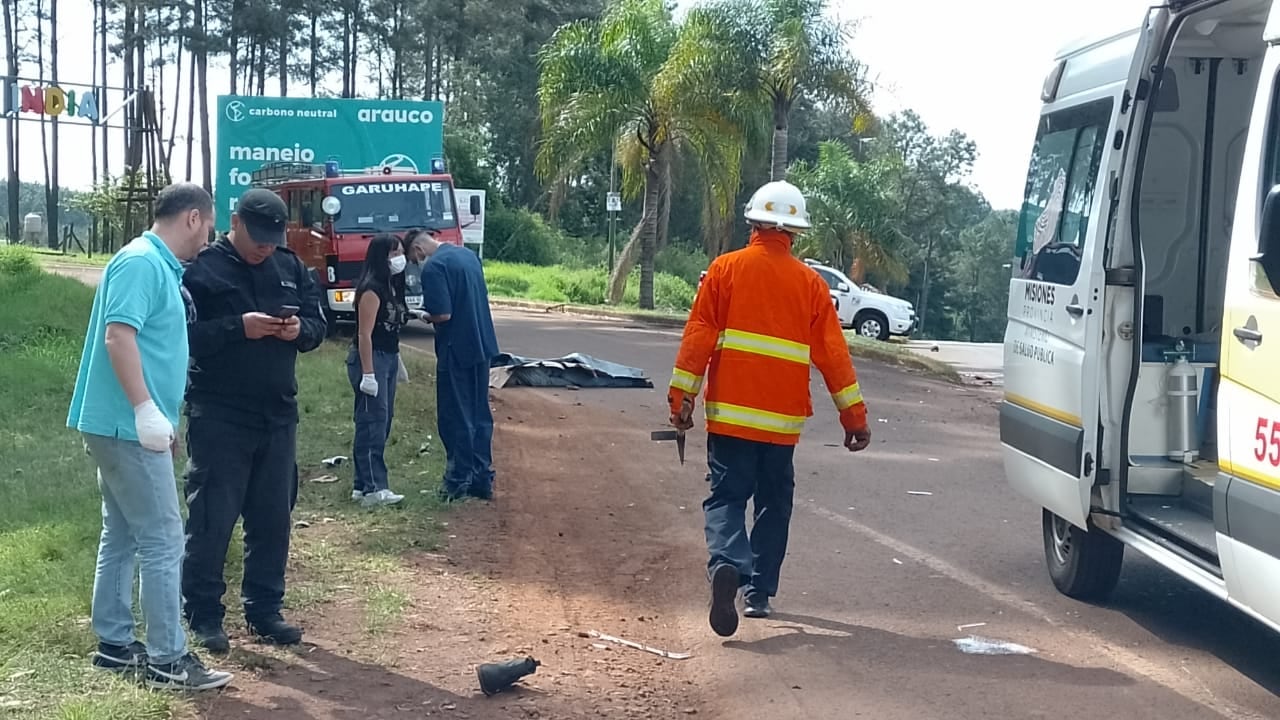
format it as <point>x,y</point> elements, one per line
<point>778,204</point>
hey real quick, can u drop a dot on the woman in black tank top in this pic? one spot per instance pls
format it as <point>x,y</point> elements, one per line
<point>373,364</point>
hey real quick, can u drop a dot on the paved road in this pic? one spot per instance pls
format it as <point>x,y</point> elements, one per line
<point>878,581</point>
<point>976,360</point>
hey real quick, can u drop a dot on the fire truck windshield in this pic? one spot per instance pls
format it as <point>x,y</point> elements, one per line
<point>382,206</point>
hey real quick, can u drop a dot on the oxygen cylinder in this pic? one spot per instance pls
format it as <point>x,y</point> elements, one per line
<point>1184,403</point>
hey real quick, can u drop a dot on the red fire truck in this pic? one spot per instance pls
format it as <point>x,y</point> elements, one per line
<point>333,213</point>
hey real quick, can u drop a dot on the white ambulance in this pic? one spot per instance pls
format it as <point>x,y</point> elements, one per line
<point>1142,356</point>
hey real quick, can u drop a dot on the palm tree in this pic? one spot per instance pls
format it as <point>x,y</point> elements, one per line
<point>796,52</point>
<point>711,78</point>
<point>854,213</point>
<point>596,89</point>
<point>633,81</point>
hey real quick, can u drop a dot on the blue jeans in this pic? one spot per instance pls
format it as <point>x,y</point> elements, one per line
<point>140,523</point>
<point>743,470</point>
<point>373,416</point>
<point>466,428</point>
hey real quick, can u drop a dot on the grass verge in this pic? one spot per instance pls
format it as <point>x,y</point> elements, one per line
<point>898,356</point>
<point>55,256</point>
<point>49,520</point>
<point>556,284</point>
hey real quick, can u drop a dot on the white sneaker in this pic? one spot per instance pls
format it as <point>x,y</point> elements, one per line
<point>357,495</point>
<point>381,497</point>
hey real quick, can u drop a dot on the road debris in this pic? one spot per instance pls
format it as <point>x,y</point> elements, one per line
<point>896,561</point>
<point>974,645</point>
<point>628,643</point>
<point>496,677</point>
<point>325,479</point>
<point>922,493</point>
<point>334,461</point>
<point>970,626</point>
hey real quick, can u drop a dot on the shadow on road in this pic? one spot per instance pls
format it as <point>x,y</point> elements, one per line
<point>843,643</point>
<point>1183,615</point>
<point>330,686</point>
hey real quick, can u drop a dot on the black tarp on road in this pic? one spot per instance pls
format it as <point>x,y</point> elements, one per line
<point>573,370</point>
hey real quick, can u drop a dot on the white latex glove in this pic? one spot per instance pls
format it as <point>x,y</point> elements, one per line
<point>155,433</point>
<point>419,314</point>
<point>402,375</point>
<point>369,384</point>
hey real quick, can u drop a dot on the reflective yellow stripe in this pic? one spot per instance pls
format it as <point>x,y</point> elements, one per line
<point>686,381</point>
<point>753,418</point>
<point>848,397</point>
<point>764,345</point>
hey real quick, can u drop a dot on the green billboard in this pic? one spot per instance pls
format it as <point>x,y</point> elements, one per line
<point>358,133</point>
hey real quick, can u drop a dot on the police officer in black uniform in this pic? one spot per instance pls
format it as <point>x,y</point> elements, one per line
<point>256,308</point>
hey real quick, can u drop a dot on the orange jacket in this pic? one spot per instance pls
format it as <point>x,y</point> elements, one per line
<point>758,320</point>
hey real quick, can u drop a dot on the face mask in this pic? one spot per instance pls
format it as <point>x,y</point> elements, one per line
<point>397,264</point>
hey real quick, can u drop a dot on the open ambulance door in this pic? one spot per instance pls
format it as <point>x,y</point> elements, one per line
<point>1077,181</point>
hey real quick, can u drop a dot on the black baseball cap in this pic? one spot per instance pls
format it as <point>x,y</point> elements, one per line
<point>263,215</point>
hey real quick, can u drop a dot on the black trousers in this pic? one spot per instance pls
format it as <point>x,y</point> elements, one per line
<point>237,471</point>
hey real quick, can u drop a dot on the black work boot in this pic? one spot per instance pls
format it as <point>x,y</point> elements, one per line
<point>724,595</point>
<point>211,637</point>
<point>757,606</point>
<point>274,630</point>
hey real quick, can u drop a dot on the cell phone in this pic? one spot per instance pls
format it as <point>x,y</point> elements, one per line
<point>287,311</point>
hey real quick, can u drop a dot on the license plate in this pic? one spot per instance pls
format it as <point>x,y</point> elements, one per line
<point>414,302</point>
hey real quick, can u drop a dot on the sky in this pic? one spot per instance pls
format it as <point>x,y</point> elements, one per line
<point>972,65</point>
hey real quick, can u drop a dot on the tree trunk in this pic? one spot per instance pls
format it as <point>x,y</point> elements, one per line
<point>233,43</point>
<point>202,79</point>
<point>262,68</point>
<point>11,124</point>
<point>923,311</point>
<point>555,200</point>
<point>355,50</point>
<point>191,90</point>
<point>52,231</point>
<point>102,110</point>
<point>286,41</point>
<point>346,54</point>
<point>93,135</point>
<point>664,200</point>
<point>313,69</point>
<point>53,189</point>
<point>625,260</point>
<point>649,235</point>
<point>778,170</point>
<point>177,100</point>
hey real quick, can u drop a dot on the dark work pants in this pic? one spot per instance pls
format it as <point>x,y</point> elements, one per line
<point>466,428</point>
<point>236,471</point>
<point>743,470</point>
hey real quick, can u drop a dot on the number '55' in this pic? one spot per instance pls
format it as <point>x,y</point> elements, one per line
<point>1266,441</point>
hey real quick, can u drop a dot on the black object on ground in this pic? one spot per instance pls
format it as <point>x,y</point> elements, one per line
<point>496,677</point>
<point>574,370</point>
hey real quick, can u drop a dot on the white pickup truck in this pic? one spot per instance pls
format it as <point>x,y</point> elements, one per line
<point>872,314</point>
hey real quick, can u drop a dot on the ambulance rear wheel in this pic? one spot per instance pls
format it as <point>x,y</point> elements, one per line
<point>1083,565</point>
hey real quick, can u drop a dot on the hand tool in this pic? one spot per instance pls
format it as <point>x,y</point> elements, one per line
<point>677,435</point>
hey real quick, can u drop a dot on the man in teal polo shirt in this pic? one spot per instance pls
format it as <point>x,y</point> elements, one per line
<point>133,373</point>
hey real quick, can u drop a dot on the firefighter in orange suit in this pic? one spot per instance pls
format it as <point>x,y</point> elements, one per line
<point>759,319</point>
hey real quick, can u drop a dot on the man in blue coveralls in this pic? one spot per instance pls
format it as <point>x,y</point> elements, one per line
<point>455,300</point>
